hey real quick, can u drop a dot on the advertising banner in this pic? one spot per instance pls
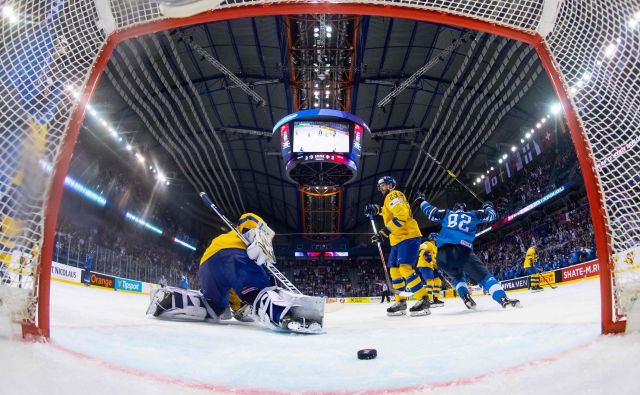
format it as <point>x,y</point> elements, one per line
<point>516,283</point>
<point>547,278</point>
<point>583,270</point>
<point>65,272</point>
<point>364,299</point>
<point>128,285</point>
<point>101,280</point>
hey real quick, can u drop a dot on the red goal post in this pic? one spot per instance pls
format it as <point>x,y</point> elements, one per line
<point>568,37</point>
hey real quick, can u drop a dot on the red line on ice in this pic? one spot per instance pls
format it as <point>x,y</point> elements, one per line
<point>255,391</point>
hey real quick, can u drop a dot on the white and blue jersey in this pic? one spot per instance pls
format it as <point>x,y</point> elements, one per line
<point>458,227</point>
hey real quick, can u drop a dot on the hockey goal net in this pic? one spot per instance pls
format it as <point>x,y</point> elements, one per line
<point>52,53</point>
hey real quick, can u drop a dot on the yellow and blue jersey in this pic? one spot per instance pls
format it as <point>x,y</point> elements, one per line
<point>427,256</point>
<point>230,239</point>
<point>396,213</point>
<point>530,258</point>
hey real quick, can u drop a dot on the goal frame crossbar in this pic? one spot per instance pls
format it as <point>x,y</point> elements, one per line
<point>611,322</point>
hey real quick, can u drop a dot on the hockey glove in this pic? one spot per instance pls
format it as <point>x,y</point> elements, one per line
<point>419,198</point>
<point>486,205</point>
<point>381,236</point>
<point>371,209</point>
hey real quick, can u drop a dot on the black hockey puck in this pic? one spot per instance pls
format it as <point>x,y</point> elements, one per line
<point>367,353</point>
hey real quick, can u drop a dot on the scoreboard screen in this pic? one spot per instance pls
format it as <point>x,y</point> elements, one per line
<point>320,136</point>
<point>314,141</point>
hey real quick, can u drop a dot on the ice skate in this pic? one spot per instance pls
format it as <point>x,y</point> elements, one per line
<point>437,303</point>
<point>505,302</point>
<point>537,288</point>
<point>469,302</point>
<point>398,308</point>
<point>420,308</point>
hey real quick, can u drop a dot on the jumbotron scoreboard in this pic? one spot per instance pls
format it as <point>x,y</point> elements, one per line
<point>321,147</point>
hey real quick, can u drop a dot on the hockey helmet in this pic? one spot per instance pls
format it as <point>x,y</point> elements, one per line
<point>460,206</point>
<point>387,180</point>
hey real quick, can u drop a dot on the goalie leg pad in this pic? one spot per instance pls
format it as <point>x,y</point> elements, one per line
<point>181,304</point>
<point>279,309</point>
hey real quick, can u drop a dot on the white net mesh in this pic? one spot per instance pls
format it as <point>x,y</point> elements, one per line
<point>49,45</point>
<point>597,48</point>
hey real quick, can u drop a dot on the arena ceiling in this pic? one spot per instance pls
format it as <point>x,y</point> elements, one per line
<point>208,133</point>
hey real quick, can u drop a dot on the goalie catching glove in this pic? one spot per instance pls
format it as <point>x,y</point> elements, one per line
<point>259,248</point>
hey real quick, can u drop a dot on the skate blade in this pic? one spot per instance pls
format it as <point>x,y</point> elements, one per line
<point>436,305</point>
<point>536,290</point>
<point>510,306</point>
<point>397,313</point>
<point>420,313</point>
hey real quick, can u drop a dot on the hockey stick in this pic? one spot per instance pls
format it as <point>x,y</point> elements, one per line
<point>270,267</point>
<point>452,174</point>
<point>384,265</point>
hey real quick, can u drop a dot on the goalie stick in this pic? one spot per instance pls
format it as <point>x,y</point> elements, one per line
<point>384,265</point>
<point>270,267</point>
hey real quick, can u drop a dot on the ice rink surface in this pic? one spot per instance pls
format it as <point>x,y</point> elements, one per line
<point>102,343</point>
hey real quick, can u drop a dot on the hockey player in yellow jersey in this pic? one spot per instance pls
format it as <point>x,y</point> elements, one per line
<point>428,269</point>
<point>530,268</point>
<point>402,231</point>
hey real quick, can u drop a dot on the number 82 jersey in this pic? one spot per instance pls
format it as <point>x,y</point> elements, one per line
<point>458,227</point>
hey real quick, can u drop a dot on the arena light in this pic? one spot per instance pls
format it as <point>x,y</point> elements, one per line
<point>482,176</point>
<point>538,125</point>
<point>526,209</point>
<point>513,148</point>
<point>527,136</point>
<point>500,160</point>
<point>474,183</point>
<point>610,50</point>
<point>9,14</point>
<point>505,156</point>
<point>129,147</point>
<point>555,109</point>
<point>491,168</point>
<point>521,141</point>
<point>328,35</point>
<point>478,180</point>
<point>84,191</point>
<point>168,183</point>
<point>329,29</point>
<point>142,222</point>
<point>487,171</point>
<point>586,76</point>
<point>189,246</point>
<point>543,120</point>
